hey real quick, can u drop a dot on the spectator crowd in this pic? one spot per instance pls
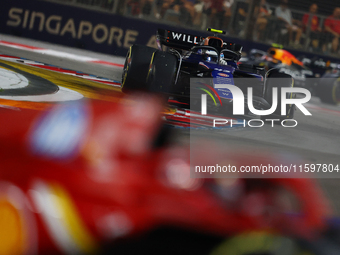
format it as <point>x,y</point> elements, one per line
<point>253,19</point>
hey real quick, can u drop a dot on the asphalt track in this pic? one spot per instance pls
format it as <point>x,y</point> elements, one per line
<point>65,60</point>
<point>316,138</point>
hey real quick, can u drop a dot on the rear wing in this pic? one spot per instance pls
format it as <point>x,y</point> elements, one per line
<point>177,40</point>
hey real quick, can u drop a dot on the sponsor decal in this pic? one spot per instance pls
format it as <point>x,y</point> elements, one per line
<point>185,37</point>
<point>202,64</point>
<point>60,134</point>
<point>223,74</point>
<point>221,70</point>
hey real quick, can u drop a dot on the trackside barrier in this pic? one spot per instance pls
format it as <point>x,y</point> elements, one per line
<point>88,29</point>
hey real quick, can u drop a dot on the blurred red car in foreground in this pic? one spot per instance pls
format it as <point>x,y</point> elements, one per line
<point>97,177</point>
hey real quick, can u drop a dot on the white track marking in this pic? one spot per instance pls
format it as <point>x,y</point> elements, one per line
<point>63,94</point>
<point>12,80</point>
<point>61,54</point>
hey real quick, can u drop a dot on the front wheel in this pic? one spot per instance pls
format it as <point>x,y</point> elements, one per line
<point>136,68</point>
<point>162,73</point>
<point>275,79</point>
<point>328,90</point>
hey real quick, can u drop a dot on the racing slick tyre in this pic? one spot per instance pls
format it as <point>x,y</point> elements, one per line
<point>275,79</point>
<point>136,68</point>
<point>162,72</point>
<point>328,90</point>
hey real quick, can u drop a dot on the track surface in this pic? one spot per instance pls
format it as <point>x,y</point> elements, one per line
<point>316,139</point>
<point>64,60</point>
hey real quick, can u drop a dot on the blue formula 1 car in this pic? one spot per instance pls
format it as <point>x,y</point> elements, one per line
<point>180,57</point>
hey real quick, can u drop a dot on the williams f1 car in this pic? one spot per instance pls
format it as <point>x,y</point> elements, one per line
<point>180,57</point>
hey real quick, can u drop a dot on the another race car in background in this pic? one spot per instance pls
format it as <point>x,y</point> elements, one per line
<point>319,76</point>
<point>328,88</point>
<point>179,57</point>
